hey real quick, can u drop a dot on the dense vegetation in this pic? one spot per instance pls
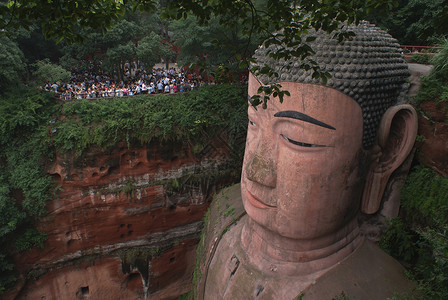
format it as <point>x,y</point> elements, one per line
<point>34,126</point>
<point>24,186</point>
<point>435,85</point>
<point>419,237</point>
<point>415,22</point>
<point>184,117</point>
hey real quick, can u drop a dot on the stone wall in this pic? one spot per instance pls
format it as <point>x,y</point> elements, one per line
<point>125,223</point>
<point>433,141</point>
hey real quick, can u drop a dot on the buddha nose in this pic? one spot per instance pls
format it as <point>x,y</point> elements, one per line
<point>261,168</point>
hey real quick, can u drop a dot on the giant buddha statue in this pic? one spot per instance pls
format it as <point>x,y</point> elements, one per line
<point>314,163</point>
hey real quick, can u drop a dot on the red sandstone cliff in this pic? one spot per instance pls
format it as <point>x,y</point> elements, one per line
<point>124,223</point>
<point>433,129</point>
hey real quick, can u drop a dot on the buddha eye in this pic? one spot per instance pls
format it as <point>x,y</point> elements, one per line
<point>301,144</point>
<point>252,123</point>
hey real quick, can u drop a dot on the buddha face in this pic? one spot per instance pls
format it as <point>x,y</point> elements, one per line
<point>301,174</point>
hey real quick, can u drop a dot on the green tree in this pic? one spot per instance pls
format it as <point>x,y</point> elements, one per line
<point>145,21</point>
<point>36,47</point>
<point>130,39</point>
<point>214,46</point>
<point>76,55</point>
<point>416,22</point>
<point>150,49</point>
<point>61,19</point>
<point>122,33</point>
<point>116,57</point>
<point>12,64</point>
<point>147,50</point>
<point>48,72</point>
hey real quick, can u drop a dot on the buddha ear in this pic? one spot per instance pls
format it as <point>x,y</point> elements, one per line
<point>396,137</point>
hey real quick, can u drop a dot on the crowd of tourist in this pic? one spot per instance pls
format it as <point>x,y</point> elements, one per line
<point>91,85</point>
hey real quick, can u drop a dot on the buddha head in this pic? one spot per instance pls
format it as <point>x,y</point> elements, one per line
<point>324,154</point>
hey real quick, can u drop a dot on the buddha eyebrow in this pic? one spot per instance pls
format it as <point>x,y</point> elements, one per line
<point>302,117</point>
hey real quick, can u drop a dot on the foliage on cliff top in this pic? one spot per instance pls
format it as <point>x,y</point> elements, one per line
<point>191,118</point>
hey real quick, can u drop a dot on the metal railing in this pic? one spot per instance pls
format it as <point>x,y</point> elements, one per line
<point>411,49</point>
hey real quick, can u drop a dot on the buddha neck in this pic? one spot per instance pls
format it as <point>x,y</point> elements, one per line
<point>273,253</point>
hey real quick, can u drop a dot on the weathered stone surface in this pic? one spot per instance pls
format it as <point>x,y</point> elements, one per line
<point>417,71</point>
<point>104,278</point>
<point>433,128</point>
<point>358,276</point>
<point>124,223</point>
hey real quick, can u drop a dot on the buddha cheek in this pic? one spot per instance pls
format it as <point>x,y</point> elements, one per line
<point>304,206</point>
<point>298,214</point>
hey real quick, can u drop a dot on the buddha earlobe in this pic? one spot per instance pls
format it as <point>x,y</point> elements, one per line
<point>396,137</point>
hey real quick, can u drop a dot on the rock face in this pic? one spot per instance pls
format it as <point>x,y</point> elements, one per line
<point>125,223</point>
<point>433,125</point>
<point>433,128</point>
